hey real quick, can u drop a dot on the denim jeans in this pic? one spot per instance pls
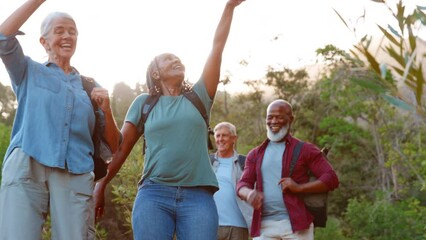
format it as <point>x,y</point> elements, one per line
<point>160,211</point>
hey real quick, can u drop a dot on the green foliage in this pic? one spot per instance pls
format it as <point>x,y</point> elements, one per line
<point>46,232</point>
<point>350,155</point>
<point>332,231</point>
<point>397,102</point>
<point>7,105</point>
<point>124,189</point>
<point>407,60</point>
<point>387,127</point>
<point>4,141</point>
<point>101,233</point>
<point>383,220</point>
<point>287,83</point>
<point>122,97</point>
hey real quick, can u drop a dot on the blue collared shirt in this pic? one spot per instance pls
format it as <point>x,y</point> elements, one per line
<point>54,120</point>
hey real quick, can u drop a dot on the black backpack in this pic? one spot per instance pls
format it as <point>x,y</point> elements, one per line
<point>316,203</point>
<point>151,100</point>
<point>101,166</point>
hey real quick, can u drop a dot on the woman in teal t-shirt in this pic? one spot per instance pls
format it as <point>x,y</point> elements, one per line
<point>175,195</point>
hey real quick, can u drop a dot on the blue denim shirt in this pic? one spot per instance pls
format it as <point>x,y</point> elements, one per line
<point>54,120</point>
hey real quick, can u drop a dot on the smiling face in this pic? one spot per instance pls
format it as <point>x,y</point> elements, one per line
<point>278,120</point>
<point>225,141</point>
<point>60,41</point>
<point>168,67</point>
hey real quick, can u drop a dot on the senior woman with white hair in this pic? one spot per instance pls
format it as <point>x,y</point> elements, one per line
<point>48,167</point>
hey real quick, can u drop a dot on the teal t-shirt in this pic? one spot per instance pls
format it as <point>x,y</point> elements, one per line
<point>176,140</point>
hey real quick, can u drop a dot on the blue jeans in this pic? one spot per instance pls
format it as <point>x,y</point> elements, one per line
<point>160,211</point>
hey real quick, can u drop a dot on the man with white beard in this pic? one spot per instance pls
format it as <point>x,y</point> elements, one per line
<point>279,210</point>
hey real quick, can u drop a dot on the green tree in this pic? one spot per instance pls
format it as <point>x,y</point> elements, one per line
<point>401,46</point>
<point>287,83</point>
<point>121,99</point>
<point>7,105</point>
<point>400,43</point>
<point>384,126</point>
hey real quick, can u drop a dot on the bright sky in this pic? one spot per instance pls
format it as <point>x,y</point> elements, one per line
<point>117,39</point>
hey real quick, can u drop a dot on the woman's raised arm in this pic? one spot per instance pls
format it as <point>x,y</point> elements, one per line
<point>12,24</point>
<point>211,72</point>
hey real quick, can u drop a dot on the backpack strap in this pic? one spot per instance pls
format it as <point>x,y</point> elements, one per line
<point>242,161</point>
<point>196,101</point>
<point>88,85</point>
<point>211,156</point>
<point>147,106</point>
<point>100,167</point>
<point>296,153</point>
<point>151,100</point>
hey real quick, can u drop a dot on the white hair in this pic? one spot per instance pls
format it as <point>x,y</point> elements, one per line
<point>227,125</point>
<point>46,25</point>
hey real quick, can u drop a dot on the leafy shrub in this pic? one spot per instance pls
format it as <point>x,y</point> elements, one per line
<point>124,189</point>
<point>384,220</point>
<point>332,231</point>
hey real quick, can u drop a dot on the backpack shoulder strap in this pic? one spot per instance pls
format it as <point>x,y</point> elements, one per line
<point>88,85</point>
<point>242,161</point>
<point>196,101</point>
<point>296,152</point>
<point>211,156</point>
<point>147,106</point>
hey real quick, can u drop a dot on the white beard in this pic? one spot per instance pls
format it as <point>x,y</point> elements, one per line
<point>275,137</point>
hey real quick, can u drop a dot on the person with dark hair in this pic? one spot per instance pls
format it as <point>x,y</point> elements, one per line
<point>175,194</point>
<point>234,214</point>
<point>279,209</point>
<point>48,166</point>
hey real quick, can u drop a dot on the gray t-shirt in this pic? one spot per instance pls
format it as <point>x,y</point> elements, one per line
<point>273,203</point>
<point>176,140</point>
